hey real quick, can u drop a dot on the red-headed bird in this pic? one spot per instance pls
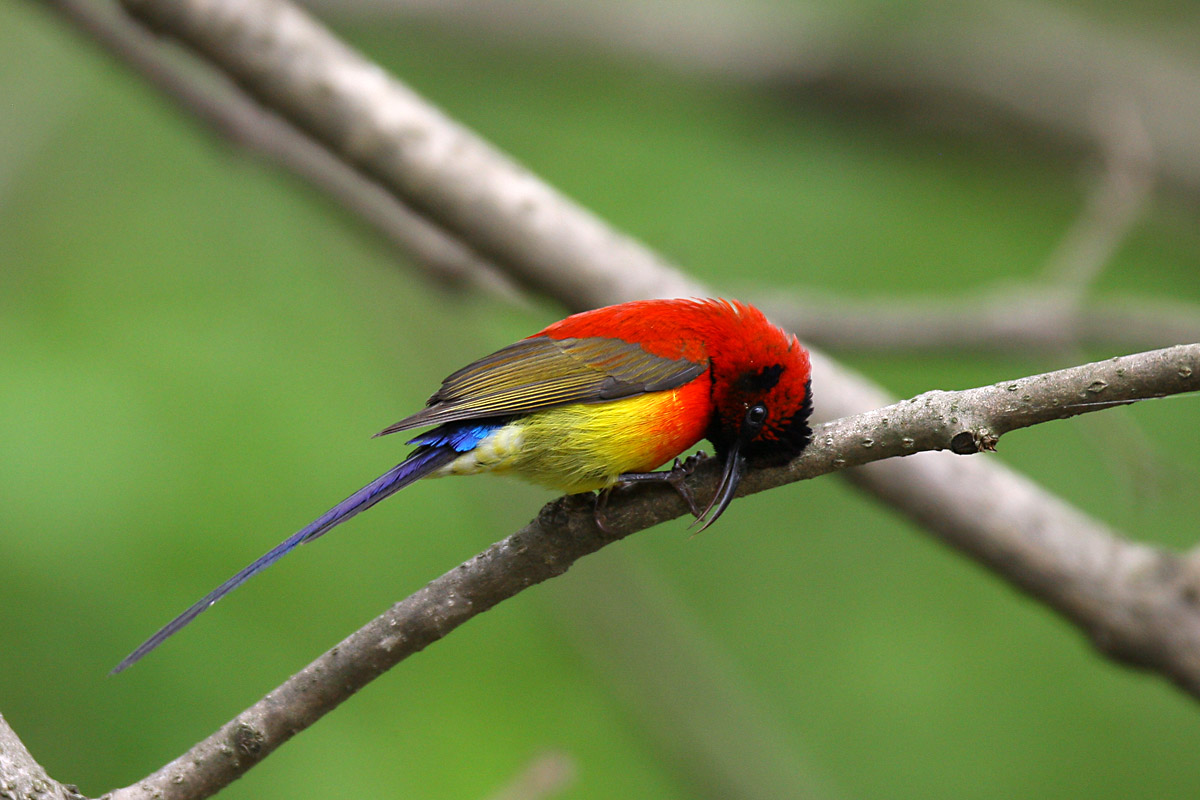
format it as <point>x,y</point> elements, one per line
<point>594,400</point>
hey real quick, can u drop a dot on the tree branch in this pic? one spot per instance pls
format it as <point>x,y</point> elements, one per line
<point>1141,605</point>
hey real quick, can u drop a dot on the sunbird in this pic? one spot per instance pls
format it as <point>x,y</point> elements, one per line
<point>595,400</point>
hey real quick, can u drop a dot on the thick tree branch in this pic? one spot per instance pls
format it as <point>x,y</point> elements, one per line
<point>1107,582</point>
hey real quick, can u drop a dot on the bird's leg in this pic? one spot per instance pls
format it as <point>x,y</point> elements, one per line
<point>676,476</point>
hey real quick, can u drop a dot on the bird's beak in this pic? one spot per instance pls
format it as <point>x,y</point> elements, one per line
<point>735,465</point>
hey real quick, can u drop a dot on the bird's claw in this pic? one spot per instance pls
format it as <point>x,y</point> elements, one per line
<point>689,464</point>
<point>598,510</point>
<point>676,477</point>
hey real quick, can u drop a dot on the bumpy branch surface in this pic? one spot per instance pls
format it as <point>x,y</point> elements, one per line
<point>1121,583</point>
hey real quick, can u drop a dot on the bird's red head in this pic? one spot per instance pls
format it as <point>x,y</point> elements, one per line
<point>761,397</point>
<point>761,388</point>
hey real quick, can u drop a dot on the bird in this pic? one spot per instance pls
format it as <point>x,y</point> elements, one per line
<point>599,399</point>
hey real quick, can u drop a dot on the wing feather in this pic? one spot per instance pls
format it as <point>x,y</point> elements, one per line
<point>541,372</point>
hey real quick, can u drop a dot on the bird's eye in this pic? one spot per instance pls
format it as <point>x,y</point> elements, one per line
<point>756,415</point>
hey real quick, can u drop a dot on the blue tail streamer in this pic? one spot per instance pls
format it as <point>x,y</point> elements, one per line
<point>418,465</point>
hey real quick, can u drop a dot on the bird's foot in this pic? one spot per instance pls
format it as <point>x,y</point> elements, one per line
<point>676,476</point>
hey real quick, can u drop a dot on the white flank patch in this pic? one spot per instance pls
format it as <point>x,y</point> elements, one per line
<point>495,452</point>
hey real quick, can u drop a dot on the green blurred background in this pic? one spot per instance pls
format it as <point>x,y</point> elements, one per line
<point>195,350</point>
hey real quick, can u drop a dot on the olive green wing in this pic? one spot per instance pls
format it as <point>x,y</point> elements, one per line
<point>542,372</point>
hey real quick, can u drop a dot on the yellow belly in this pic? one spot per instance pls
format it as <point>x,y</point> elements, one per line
<point>582,447</point>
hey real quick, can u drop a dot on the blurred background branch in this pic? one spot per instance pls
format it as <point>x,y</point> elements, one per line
<point>546,776</point>
<point>1001,319</point>
<point>1046,69</point>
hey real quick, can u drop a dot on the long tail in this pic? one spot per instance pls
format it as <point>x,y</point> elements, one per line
<point>415,467</point>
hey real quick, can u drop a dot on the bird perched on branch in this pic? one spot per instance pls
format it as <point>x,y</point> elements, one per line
<point>592,401</point>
